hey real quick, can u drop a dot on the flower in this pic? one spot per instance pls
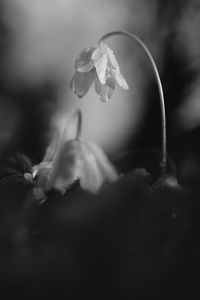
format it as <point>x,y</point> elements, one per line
<point>68,158</point>
<point>77,160</point>
<point>83,161</point>
<point>97,65</point>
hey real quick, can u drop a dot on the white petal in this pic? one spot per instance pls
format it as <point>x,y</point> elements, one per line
<point>53,147</point>
<point>64,168</point>
<point>119,78</point>
<point>90,175</point>
<point>84,62</point>
<point>81,83</point>
<point>111,59</point>
<point>99,52</point>
<point>104,90</point>
<point>101,66</point>
<point>108,171</point>
<point>121,81</point>
<point>111,82</point>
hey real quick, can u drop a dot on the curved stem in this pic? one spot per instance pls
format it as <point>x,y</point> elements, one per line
<point>162,102</point>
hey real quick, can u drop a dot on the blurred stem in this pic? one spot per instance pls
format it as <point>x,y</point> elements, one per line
<point>162,102</point>
<point>77,116</point>
<point>79,126</point>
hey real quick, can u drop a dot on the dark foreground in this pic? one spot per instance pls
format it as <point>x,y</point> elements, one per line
<point>131,241</point>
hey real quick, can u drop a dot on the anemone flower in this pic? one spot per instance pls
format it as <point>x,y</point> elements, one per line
<point>81,161</point>
<point>69,159</point>
<point>97,65</point>
<point>77,160</point>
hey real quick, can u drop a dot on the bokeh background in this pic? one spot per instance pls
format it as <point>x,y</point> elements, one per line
<point>133,240</point>
<point>39,41</point>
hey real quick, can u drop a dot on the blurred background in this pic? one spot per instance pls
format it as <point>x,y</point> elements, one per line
<point>39,41</point>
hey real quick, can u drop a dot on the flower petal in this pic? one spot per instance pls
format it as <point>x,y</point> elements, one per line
<point>81,82</point>
<point>114,64</point>
<point>107,169</point>
<point>53,147</point>
<point>99,57</point>
<point>121,81</point>
<point>96,168</point>
<point>84,62</point>
<point>101,66</point>
<point>64,169</point>
<point>111,82</point>
<point>105,90</point>
<point>99,52</point>
<point>111,59</point>
<point>90,175</point>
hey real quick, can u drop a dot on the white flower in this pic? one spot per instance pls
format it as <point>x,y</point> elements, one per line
<point>76,160</point>
<point>97,65</point>
<point>68,159</point>
<point>82,161</point>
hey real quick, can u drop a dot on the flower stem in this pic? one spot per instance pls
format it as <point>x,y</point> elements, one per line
<point>162,102</point>
<point>79,125</point>
<point>73,127</point>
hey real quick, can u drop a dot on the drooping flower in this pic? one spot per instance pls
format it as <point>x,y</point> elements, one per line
<point>77,160</point>
<point>72,159</point>
<point>83,161</point>
<point>97,65</point>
